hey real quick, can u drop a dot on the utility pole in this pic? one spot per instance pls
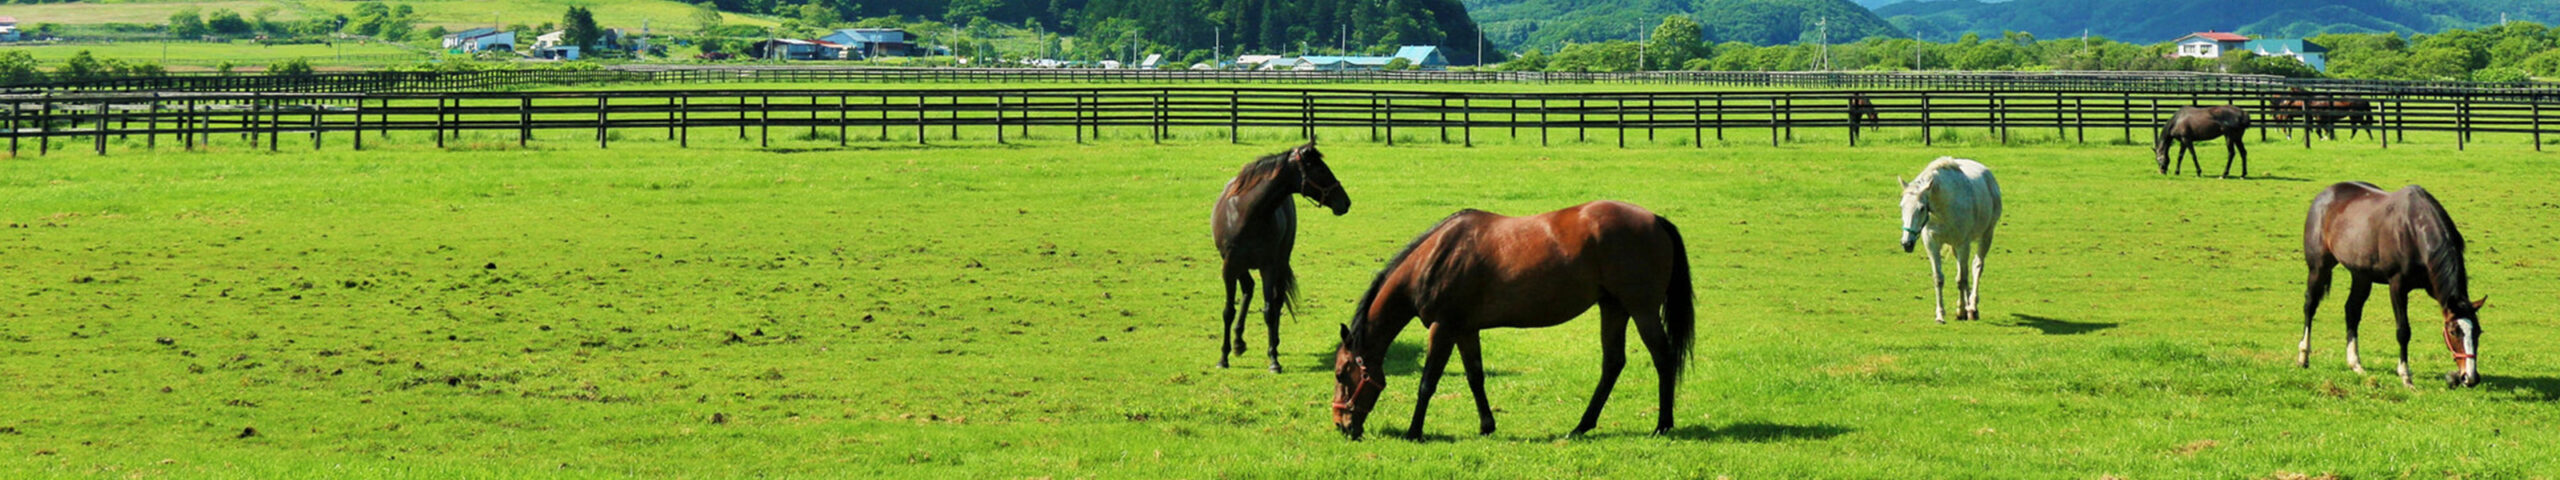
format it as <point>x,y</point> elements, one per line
<point>1640,47</point>
<point>1822,35</point>
<point>1479,46</point>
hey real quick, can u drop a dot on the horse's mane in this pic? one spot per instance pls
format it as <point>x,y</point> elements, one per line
<point>2444,252</point>
<point>1259,170</point>
<point>1360,314</point>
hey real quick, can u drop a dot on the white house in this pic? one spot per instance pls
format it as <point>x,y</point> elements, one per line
<point>871,42</point>
<point>480,39</point>
<point>2207,44</point>
<point>8,28</point>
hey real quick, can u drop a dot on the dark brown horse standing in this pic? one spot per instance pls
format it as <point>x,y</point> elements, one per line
<point>1256,225</point>
<point>2197,124</point>
<point>1863,111</point>
<point>1476,270</point>
<point>2403,239</point>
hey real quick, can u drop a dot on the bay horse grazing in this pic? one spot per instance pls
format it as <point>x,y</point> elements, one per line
<point>2403,239</point>
<point>2197,124</point>
<point>1953,205</point>
<point>1862,109</point>
<point>2358,115</point>
<point>1255,226</point>
<point>1477,270</point>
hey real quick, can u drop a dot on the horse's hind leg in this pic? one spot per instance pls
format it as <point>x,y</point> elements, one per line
<point>2357,290</point>
<point>2316,287</point>
<point>1613,357</point>
<point>1964,280</point>
<point>1973,296</point>
<point>1666,362</point>
<point>1470,353</point>
<point>1275,286</point>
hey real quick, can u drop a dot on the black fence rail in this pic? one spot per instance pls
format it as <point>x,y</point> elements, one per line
<point>47,122</point>
<point>390,82</point>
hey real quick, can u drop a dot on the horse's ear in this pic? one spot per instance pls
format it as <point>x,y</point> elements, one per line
<point>1897,179</point>
<point>1346,333</point>
<point>2483,302</point>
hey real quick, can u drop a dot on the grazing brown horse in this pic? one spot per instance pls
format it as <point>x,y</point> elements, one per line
<point>2357,113</point>
<point>2196,124</point>
<point>2325,116</point>
<point>1256,225</point>
<point>2403,239</point>
<point>1862,109</point>
<point>1476,270</point>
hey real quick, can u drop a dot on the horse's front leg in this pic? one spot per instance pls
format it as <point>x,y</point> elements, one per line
<point>2357,290</point>
<point>1938,279</point>
<point>1275,285</point>
<point>2400,311</point>
<point>1227,322</point>
<point>1470,354</point>
<point>1435,361</point>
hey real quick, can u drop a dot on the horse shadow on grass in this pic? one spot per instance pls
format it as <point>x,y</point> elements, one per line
<point>2056,326</point>
<point>1405,359</point>
<point>2527,389</point>
<point>1742,432</point>
<point>2272,178</point>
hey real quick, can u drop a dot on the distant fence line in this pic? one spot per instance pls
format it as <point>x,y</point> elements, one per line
<point>39,122</point>
<point>388,82</point>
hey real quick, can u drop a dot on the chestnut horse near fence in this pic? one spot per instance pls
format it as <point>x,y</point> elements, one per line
<point>1255,225</point>
<point>2403,239</point>
<point>1861,109</point>
<point>1477,270</point>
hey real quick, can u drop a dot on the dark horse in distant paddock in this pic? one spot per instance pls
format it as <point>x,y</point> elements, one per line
<point>2196,124</point>
<point>1863,110</point>
<point>2403,239</point>
<point>2324,114</point>
<point>1476,270</point>
<point>1256,225</point>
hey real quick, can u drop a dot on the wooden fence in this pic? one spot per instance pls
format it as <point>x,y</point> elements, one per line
<point>390,82</point>
<point>47,122</point>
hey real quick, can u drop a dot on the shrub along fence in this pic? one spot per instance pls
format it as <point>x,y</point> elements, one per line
<point>43,123</point>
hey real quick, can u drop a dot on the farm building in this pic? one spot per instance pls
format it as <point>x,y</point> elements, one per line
<point>2211,44</point>
<point>871,42</point>
<point>1422,57</point>
<point>8,28</point>
<point>797,49</point>
<point>2311,54</point>
<point>480,39</point>
<point>2207,44</point>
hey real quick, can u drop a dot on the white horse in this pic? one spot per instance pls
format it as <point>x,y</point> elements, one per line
<point>1953,203</point>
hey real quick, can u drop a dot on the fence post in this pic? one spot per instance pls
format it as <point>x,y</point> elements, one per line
<point>2307,133</point>
<point>1514,124</point>
<point>1391,119</point>
<point>844,120</point>
<point>440,128</point>
<point>603,114</point>
<point>2461,123</point>
<point>1307,115</point>
<point>955,118</point>
<point>101,127</point>
<point>317,110</point>
<point>1444,120</point>
<point>1719,117</point>
<point>920,120</point>
<point>2537,122</point>
<point>2000,117</point>
<point>1233,112</point>
<point>999,118</point>
<point>1773,122</point>
<point>13,129</point>
<point>1790,112</point>
<point>1077,122</point>
<point>359,130</point>
<point>1155,118</point>
<point>2057,116</point>
<point>684,121</point>
<point>1697,129</point>
<point>275,124</point>
<point>1542,119</point>
<point>524,120</point>
<point>2080,118</point>
<point>1649,118</point>
<point>152,126</point>
<point>1925,138</point>
<point>1621,121</point>
<point>764,121</point>
<point>44,126</point>
<point>1581,119</point>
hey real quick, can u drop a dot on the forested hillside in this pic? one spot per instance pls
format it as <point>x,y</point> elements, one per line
<point>2162,20</point>
<point>1549,24</point>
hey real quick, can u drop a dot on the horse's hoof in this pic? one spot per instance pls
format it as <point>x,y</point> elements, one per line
<point>1222,363</point>
<point>1487,430</point>
<point>1275,368</point>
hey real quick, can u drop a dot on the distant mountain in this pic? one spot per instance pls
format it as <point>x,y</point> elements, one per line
<point>1548,24</point>
<point>2146,21</point>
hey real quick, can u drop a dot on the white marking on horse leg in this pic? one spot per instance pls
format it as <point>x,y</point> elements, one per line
<point>2354,361</point>
<point>1973,298</point>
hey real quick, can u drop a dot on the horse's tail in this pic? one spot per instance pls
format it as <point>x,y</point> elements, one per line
<point>1286,282</point>
<point>1679,309</point>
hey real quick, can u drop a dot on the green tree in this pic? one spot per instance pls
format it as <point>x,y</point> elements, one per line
<point>964,12</point>
<point>81,66</point>
<point>1530,61</point>
<point>187,23</point>
<point>817,15</point>
<point>579,29</point>
<point>706,18</point>
<point>298,66</point>
<point>1399,64</point>
<point>1675,42</point>
<point>19,67</point>
<point>227,22</point>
